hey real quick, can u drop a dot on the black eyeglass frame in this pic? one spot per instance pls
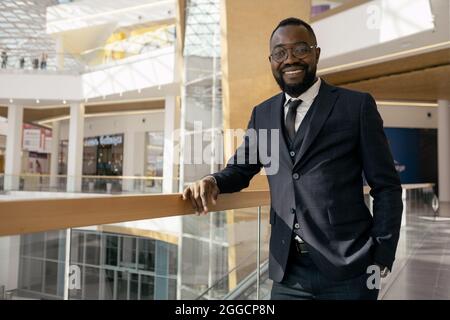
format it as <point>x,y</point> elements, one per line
<point>292,47</point>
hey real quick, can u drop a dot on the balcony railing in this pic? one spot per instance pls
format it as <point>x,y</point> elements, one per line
<point>89,183</point>
<point>146,246</point>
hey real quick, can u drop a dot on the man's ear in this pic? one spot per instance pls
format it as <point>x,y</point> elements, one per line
<point>317,54</point>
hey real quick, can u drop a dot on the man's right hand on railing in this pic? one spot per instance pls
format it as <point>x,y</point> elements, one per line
<point>202,193</point>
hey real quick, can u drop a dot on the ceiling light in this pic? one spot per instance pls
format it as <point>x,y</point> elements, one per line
<point>64,101</point>
<point>37,101</point>
<point>11,100</point>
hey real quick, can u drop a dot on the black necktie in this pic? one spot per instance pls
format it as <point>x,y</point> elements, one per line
<point>290,118</point>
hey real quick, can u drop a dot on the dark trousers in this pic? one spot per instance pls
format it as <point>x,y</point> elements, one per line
<point>304,281</point>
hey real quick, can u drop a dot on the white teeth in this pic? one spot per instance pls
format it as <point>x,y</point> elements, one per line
<point>294,72</point>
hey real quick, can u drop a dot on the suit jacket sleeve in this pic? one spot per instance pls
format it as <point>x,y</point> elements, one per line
<point>244,164</point>
<point>386,190</point>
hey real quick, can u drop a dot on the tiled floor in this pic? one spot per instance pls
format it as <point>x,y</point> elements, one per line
<point>422,266</point>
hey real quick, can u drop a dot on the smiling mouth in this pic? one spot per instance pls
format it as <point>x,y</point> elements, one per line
<point>294,72</point>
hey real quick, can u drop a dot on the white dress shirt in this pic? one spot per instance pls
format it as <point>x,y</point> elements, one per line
<point>308,98</point>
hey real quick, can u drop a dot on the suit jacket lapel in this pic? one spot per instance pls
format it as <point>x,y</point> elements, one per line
<point>323,104</point>
<point>277,113</point>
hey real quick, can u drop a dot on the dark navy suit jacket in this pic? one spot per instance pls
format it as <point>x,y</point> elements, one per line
<point>319,179</point>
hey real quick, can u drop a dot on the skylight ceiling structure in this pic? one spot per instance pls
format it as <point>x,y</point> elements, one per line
<point>23,32</point>
<point>203,28</point>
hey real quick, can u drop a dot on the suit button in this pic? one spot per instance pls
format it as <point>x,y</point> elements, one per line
<point>283,242</point>
<point>296,226</point>
<point>292,153</point>
<point>295,176</point>
<point>292,210</point>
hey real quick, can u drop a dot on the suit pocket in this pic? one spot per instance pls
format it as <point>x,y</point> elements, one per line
<point>347,214</point>
<point>273,216</point>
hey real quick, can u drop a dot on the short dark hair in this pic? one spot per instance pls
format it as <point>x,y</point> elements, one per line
<point>295,22</point>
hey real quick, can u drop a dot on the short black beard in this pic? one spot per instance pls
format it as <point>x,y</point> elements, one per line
<point>297,89</point>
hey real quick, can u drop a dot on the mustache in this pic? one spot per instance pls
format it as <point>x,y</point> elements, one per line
<point>302,65</point>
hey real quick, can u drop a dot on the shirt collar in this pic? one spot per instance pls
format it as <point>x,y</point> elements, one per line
<point>309,95</point>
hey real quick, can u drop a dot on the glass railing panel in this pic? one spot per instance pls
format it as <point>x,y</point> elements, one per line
<point>418,211</point>
<point>420,204</point>
<point>32,266</point>
<point>111,184</point>
<point>98,59</point>
<point>89,184</point>
<point>181,257</point>
<point>238,280</point>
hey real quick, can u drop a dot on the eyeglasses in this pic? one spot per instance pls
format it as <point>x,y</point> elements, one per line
<point>299,50</point>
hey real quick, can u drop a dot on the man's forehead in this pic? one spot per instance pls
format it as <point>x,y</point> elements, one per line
<point>290,34</point>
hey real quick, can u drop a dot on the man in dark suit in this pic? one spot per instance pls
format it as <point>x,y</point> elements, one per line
<point>323,237</point>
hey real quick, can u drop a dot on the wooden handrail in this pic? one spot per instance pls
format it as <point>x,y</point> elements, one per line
<point>38,215</point>
<point>28,216</point>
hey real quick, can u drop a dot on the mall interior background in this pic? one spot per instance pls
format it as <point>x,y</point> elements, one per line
<point>109,97</point>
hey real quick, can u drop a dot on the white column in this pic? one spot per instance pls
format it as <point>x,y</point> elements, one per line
<point>9,262</point>
<point>140,152</point>
<point>13,147</point>
<point>169,139</point>
<point>59,53</point>
<point>54,155</point>
<point>133,160</point>
<point>444,150</point>
<point>75,152</point>
<point>128,161</point>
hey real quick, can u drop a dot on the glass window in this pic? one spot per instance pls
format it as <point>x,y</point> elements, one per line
<point>147,287</point>
<point>25,245</point>
<point>37,241</point>
<point>51,277</point>
<point>122,285</point>
<point>77,247</point>
<point>91,283</point>
<point>36,268</point>
<point>112,247</point>
<point>108,284</point>
<point>128,252</point>
<point>173,261</point>
<point>52,245</point>
<point>90,159</point>
<point>146,255</point>
<point>31,274</point>
<point>62,156</point>
<point>134,286</point>
<point>172,289</point>
<point>92,249</point>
